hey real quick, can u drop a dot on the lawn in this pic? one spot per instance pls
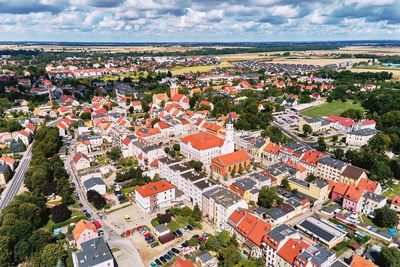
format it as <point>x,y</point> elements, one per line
<point>181,70</point>
<point>392,191</point>
<point>76,216</point>
<point>180,222</point>
<point>332,108</point>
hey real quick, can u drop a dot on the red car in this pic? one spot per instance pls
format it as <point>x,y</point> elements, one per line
<point>139,227</point>
<point>97,224</point>
<point>146,235</point>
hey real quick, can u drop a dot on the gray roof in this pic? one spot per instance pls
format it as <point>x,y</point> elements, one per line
<point>3,168</point>
<point>93,182</point>
<point>94,252</point>
<point>204,256</point>
<point>193,176</point>
<point>224,197</point>
<point>313,120</point>
<point>168,160</point>
<point>374,197</point>
<point>319,183</point>
<point>373,253</point>
<point>339,263</point>
<point>364,132</point>
<point>261,210</point>
<point>316,254</point>
<point>161,228</point>
<point>294,202</point>
<point>245,184</point>
<point>259,177</point>
<point>280,232</point>
<point>323,123</point>
<point>181,167</point>
<point>332,162</point>
<point>203,184</point>
<point>275,213</point>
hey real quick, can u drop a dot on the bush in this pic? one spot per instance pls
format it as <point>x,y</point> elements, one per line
<point>155,222</point>
<point>193,242</point>
<point>94,197</point>
<point>60,213</point>
<point>185,212</point>
<point>163,218</point>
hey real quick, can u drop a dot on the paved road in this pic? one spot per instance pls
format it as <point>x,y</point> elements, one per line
<point>111,232</point>
<point>16,182</point>
<point>292,135</point>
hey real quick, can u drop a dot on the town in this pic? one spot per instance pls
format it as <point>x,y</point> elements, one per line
<point>141,161</point>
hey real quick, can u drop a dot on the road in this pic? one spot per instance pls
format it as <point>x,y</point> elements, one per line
<point>292,135</point>
<point>16,182</point>
<point>111,232</point>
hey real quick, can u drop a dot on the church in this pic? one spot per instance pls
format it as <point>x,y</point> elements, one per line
<point>205,146</point>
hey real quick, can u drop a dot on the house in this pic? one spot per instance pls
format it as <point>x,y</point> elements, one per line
<point>353,198</point>
<point>317,189</point>
<point>81,161</point>
<point>155,196</point>
<point>97,184</point>
<point>83,147</point>
<point>24,136</point>
<point>329,168</point>
<point>246,188</point>
<point>370,186</point>
<point>230,164</point>
<point>84,231</point>
<point>371,202</point>
<point>95,253</point>
<point>359,261</point>
<point>12,163</point>
<point>339,191</point>
<point>352,175</point>
<point>360,137</point>
<point>317,255</point>
<point>181,100</point>
<point>205,259</point>
<point>290,251</point>
<point>5,174</point>
<point>276,216</point>
<point>395,205</point>
<point>182,263</point>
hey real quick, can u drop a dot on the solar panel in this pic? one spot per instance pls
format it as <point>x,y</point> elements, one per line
<point>317,231</point>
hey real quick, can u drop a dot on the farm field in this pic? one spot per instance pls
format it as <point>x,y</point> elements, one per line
<point>396,73</point>
<point>334,108</point>
<point>316,61</point>
<point>181,70</point>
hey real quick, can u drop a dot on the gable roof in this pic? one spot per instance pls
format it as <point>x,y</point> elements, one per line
<point>291,249</point>
<point>354,193</point>
<point>154,188</point>
<point>203,140</point>
<point>78,156</point>
<point>352,172</point>
<point>359,261</point>
<point>232,158</point>
<point>340,188</point>
<point>81,226</point>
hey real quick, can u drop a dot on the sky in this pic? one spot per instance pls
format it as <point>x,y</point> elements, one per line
<point>198,20</point>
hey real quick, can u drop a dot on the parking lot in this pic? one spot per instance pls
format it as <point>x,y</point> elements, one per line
<point>288,119</point>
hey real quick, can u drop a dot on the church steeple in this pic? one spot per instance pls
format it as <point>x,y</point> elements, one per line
<point>229,145</point>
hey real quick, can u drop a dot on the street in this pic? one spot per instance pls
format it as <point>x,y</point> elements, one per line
<point>16,182</point>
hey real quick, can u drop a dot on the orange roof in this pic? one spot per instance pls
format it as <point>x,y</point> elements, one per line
<point>340,188</point>
<point>154,188</point>
<point>206,103</point>
<point>361,262</point>
<point>212,126</point>
<point>7,159</point>
<point>236,216</point>
<point>247,224</point>
<point>311,157</point>
<point>81,226</point>
<point>25,133</point>
<point>160,96</point>
<point>354,193</point>
<point>259,231</point>
<point>272,148</point>
<point>162,124</point>
<point>296,166</point>
<point>291,249</point>
<point>369,185</point>
<point>231,158</point>
<point>203,140</point>
<point>182,263</point>
<point>100,111</point>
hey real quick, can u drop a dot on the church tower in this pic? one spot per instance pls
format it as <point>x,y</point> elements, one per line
<point>229,145</point>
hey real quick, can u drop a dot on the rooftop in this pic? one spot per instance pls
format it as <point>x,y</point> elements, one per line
<point>94,252</point>
<point>154,188</point>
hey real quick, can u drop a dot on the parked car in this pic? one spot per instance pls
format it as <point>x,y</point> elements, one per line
<point>174,250</point>
<point>186,229</point>
<point>195,236</point>
<point>171,254</point>
<point>182,230</point>
<point>153,264</point>
<point>194,225</point>
<point>175,234</point>
<point>158,262</point>
<point>147,235</point>
<point>205,236</point>
<point>80,205</point>
<point>179,232</point>
<point>155,244</point>
<point>163,259</point>
<point>167,257</point>
<point>189,227</point>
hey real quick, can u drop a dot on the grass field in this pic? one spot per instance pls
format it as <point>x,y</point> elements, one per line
<point>396,73</point>
<point>392,191</point>
<point>333,108</point>
<point>195,69</point>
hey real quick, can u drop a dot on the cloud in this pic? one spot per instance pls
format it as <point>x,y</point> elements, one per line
<point>32,6</point>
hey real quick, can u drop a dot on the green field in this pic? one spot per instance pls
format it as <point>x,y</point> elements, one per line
<point>333,108</point>
<point>182,70</point>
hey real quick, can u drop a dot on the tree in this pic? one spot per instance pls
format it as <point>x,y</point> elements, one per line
<point>285,184</point>
<point>241,169</point>
<point>229,256</point>
<point>197,165</point>
<point>50,255</point>
<point>166,150</point>
<point>338,153</point>
<point>267,196</point>
<point>334,138</point>
<point>193,242</point>
<point>163,218</point>
<point>310,178</point>
<point>196,214</point>
<point>380,171</point>
<point>389,257</point>
<point>185,212</point>
<point>213,244</point>
<point>355,114</point>
<point>307,129</point>
<point>60,213</point>
<point>115,153</point>
<point>17,146</point>
<point>385,217</point>
<point>322,146</point>
<point>176,147</point>
<point>94,197</point>
<point>86,116</point>
<point>131,110</point>
<point>233,172</point>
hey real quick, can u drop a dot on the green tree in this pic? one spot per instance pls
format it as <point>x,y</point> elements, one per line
<point>355,114</point>
<point>310,178</point>
<point>196,214</point>
<point>193,242</point>
<point>380,171</point>
<point>49,256</point>
<point>197,165</point>
<point>86,116</point>
<point>385,217</point>
<point>229,256</point>
<point>307,129</point>
<point>389,257</point>
<point>212,243</point>
<point>115,153</point>
<point>322,146</point>
<point>241,170</point>
<point>338,153</point>
<point>267,196</point>
<point>285,184</point>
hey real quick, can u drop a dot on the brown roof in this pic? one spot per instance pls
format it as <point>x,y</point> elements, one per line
<point>352,172</point>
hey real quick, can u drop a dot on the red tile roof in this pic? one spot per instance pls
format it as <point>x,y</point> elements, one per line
<point>78,156</point>
<point>291,249</point>
<point>81,226</point>
<point>369,185</point>
<point>396,200</point>
<point>354,193</point>
<point>203,140</point>
<point>232,158</point>
<point>272,148</point>
<point>340,188</point>
<point>259,231</point>
<point>361,262</point>
<point>237,215</point>
<point>154,188</point>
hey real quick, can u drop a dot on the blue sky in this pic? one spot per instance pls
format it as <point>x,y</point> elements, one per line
<point>198,20</point>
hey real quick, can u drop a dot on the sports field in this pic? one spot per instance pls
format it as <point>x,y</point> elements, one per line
<point>333,108</point>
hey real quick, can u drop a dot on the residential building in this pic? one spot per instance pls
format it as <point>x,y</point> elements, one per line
<point>395,203</point>
<point>12,163</point>
<point>276,216</point>
<point>205,259</point>
<point>97,184</point>
<point>323,231</point>
<point>339,191</point>
<point>161,229</point>
<point>246,188</point>
<point>230,164</point>
<point>5,174</point>
<point>352,175</point>
<point>81,161</point>
<point>154,196</point>
<point>371,202</point>
<point>182,263</point>
<point>316,124</point>
<point>290,251</point>
<point>329,168</point>
<point>359,261</point>
<point>310,159</point>
<point>353,198</point>
<point>360,137</point>
<point>274,241</point>
<point>317,256</point>
<point>84,231</point>
<point>271,154</point>
<point>218,205</point>
<point>95,253</point>
<point>317,189</point>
